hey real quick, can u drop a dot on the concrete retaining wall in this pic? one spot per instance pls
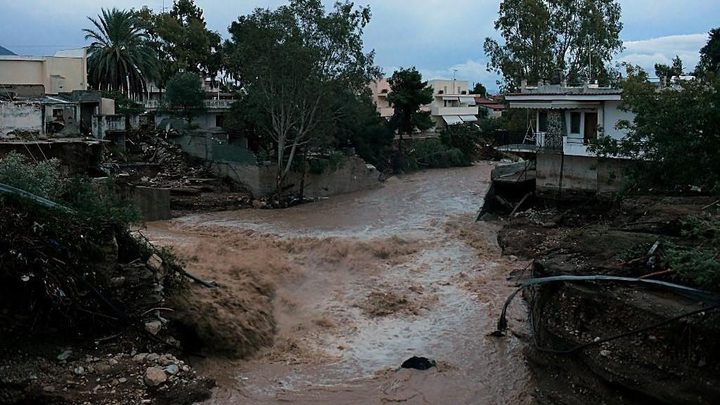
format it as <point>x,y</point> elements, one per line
<point>153,203</point>
<point>18,116</point>
<point>238,163</point>
<point>581,176</point>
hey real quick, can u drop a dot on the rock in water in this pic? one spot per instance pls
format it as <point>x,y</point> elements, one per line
<point>419,363</point>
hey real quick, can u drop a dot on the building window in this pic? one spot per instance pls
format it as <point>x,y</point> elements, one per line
<point>445,89</point>
<point>219,120</point>
<point>575,122</point>
<point>542,121</point>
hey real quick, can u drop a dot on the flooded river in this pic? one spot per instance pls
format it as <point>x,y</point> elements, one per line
<point>361,282</point>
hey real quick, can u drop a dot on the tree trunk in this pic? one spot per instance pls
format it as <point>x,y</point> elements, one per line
<point>304,171</point>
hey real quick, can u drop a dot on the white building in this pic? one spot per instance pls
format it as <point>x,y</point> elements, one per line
<point>582,111</point>
<point>563,122</point>
<point>452,102</point>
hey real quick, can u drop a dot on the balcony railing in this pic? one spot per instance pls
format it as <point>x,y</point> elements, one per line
<point>222,104</point>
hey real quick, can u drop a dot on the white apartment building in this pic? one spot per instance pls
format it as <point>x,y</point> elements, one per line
<point>452,102</point>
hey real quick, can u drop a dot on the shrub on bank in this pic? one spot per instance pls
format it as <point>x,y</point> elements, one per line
<point>75,268</point>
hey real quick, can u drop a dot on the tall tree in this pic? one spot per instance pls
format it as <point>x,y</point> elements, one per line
<point>710,56</point>
<point>183,41</point>
<point>665,73</point>
<point>361,127</point>
<point>119,58</point>
<point>290,63</point>
<point>185,96</point>
<point>479,89</point>
<point>571,40</point>
<point>408,92</point>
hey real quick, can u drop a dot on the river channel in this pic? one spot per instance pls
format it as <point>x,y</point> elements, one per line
<point>362,282</point>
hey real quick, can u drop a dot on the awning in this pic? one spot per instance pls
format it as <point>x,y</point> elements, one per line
<point>468,118</point>
<point>452,119</point>
<point>553,105</point>
<point>467,100</point>
<point>450,98</point>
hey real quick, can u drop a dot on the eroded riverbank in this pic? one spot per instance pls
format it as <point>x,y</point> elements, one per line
<point>348,288</point>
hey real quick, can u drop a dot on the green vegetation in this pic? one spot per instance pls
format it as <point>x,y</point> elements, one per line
<point>665,72</point>
<point>119,58</point>
<point>97,204</point>
<point>698,259</point>
<point>292,62</point>
<point>553,40</point>
<point>181,39</point>
<point>710,56</point>
<point>408,92</point>
<point>675,136</point>
<point>185,96</point>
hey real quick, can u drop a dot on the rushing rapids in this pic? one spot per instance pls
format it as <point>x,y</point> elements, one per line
<point>333,296</point>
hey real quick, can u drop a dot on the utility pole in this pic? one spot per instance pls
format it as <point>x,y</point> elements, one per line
<point>454,89</point>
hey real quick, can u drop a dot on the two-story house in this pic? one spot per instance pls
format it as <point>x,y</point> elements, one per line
<point>563,121</point>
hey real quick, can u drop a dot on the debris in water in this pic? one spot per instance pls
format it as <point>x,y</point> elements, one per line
<point>419,363</point>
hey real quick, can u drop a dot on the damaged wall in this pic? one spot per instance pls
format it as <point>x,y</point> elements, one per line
<point>581,175</point>
<point>238,163</point>
<point>20,117</point>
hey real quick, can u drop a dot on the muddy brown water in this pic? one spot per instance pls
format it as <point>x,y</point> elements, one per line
<point>368,280</point>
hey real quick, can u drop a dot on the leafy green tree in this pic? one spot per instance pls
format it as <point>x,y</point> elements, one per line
<point>710,55</point>
<point>183,41</point>
<point>479,89</point>
<point>361,127</point>
<point>468,139</point>
<point>185,96</point>
<point>408,92</point>
<point>665,72</point>
<point>674,146</point>
<point>290,63</point>
<point>119,58</point>
<point>571,40</point>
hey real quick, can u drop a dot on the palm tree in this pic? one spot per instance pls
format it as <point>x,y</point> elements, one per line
<point>119,58</point>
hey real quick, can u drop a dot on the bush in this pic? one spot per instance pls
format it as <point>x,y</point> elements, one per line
<point>466,139</point>
<point>433,153</point>
<point>97,204</point>
<point>42,178</point>
<point>699,260</point>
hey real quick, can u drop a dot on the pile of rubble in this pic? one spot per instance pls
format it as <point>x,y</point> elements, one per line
<point>151,160</point>
<point>95,293</point>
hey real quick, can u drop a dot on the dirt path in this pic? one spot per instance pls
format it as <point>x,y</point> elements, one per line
<point>362,282</point>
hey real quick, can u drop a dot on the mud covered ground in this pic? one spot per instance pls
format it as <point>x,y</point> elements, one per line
<point>321,303</point>
<point>676,362</point>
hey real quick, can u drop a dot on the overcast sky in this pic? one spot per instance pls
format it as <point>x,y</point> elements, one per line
<point>436,36</point>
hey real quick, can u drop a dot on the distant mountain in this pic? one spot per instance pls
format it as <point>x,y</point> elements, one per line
<point>5,51</point>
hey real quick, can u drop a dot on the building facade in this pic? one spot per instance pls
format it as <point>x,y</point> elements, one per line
<point>32,76</point>
<point>452,102</point>
<point>563,123</point>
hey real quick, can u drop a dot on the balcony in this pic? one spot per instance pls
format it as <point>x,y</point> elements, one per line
<point>222,104</point>
<point>538,142</point>
<point>454,110</point>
